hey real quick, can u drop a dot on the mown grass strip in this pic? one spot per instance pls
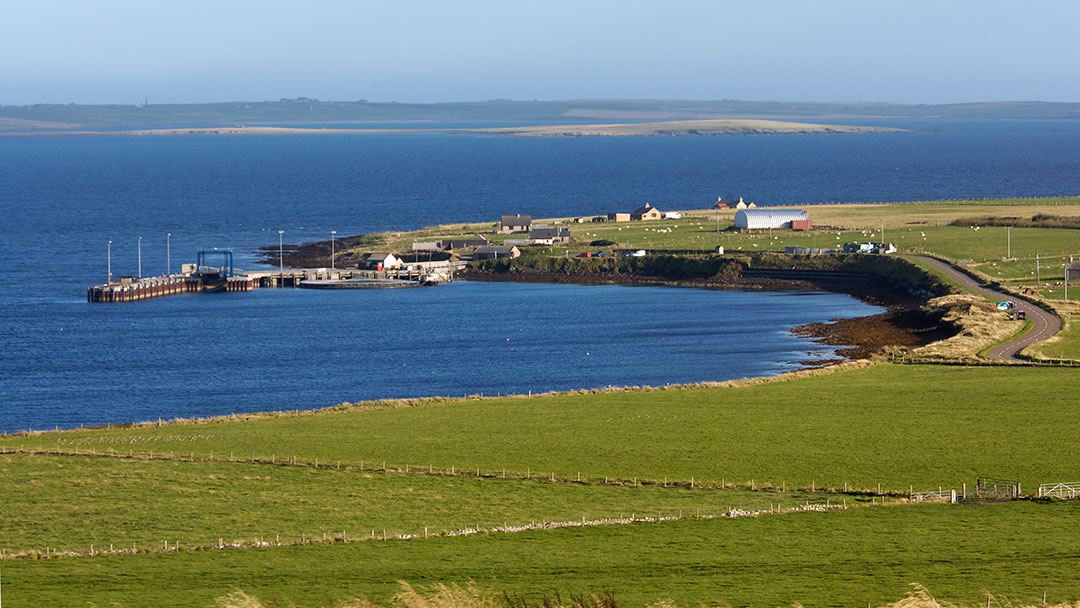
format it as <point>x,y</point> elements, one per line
<point>854,557</point>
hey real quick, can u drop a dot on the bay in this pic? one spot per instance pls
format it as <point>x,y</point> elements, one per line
<point>66,362</point>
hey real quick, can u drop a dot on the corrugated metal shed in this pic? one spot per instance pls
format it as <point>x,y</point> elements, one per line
<point>756,219</point>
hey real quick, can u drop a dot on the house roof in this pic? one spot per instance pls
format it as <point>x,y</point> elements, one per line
<point>516,220</point>
<point>643,209</point>
<point>547,233</point>
<point>495,249</point>
<point>379,257</point>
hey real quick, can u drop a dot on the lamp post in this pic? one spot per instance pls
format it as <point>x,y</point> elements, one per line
<point>108,264</point>
<point>333,235</point>
<point>281,252</point>
<point>140,257</point>
<point>168,253</point>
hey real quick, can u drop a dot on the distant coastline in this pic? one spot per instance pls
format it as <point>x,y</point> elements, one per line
<point>665,128</point>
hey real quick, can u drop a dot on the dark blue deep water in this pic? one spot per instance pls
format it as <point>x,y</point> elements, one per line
<point>66,362</point>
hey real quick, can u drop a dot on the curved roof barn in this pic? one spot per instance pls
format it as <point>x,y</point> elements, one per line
<point>755,219</point>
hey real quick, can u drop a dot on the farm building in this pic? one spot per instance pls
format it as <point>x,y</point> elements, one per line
<point>618,217</point>
<point>759,219</point>
<point>380,261</point>
<point>722,203</point>
<point>448,244</point>
<point>646,212</point>
<point>552,235</point>
<point>451,244</point>
<point>496,252</point>
<point>515,223</point>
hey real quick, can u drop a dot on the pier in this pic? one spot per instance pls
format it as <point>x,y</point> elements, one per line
<point>201,279</point>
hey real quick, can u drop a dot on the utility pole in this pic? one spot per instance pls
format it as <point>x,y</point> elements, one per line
<point>1008,231</point>
<point>168,253</point>
<point>1038,274</point>
<point>281,252</point>
<point>882,232</point>
<point>108,264</point>
<point>140,257</point>
<point>333,235</point>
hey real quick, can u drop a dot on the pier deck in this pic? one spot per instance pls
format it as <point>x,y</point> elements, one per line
<point>312,278</point>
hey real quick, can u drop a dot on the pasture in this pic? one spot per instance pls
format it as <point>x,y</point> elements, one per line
<point>840,558</point>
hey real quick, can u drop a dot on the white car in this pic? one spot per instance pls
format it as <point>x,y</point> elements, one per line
<point>640,253</point>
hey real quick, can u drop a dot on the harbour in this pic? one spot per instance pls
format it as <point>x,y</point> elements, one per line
<point>200,278</point>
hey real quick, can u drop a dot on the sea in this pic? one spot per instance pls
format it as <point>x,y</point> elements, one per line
<point>67,363</point>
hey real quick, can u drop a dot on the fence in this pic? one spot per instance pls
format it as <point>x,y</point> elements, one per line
<point>934,495</point>
<point>1060,490</point>
<point>989,486</point>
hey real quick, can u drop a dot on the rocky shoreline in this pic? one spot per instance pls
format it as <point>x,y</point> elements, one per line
<point>906,323</point>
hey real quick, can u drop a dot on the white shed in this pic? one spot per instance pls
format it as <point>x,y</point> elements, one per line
<point>757,219</point>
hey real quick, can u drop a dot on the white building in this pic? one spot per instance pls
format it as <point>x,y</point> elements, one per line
<point>758,219</point>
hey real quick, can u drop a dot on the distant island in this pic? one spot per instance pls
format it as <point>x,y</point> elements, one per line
<point>306,112</point>
<point>682,127</point>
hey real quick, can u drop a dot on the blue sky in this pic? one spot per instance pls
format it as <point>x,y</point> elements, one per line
<point>120,51</point>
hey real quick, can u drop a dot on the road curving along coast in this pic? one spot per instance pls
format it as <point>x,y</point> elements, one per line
<point>1044,323</point>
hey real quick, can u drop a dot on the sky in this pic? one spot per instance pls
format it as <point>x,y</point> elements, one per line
<point>191,51</point>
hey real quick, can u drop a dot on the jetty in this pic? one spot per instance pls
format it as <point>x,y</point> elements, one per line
<point>196,278</point>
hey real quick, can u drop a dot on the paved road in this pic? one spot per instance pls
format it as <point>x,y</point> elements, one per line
<point>1045,324</point>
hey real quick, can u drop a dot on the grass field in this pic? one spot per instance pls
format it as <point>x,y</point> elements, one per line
<point>841,558</point>
<point>120,502</point>
<point>855,427</point>
<point>920,225</point>
<point>1065,345</point>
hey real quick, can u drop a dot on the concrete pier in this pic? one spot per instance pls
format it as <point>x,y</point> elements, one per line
<point>134,290</point>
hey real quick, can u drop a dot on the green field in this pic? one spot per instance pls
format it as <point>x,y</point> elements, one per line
<point>121,502</point>
<point>901,426</point>
<point>1066,345</point>
<point>855,427</point>
<point>841,558</point>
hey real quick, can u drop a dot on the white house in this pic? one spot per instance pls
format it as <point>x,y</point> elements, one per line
<point>381,261</point>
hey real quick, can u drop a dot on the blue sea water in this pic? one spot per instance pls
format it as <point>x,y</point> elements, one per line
<point>66,362</point>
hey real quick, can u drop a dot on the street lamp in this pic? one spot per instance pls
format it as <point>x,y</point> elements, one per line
<point>140,257</point>
<point>168,253</point>
<point>109,264</point>
<point>333,234</point>
<point>281,251</point>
